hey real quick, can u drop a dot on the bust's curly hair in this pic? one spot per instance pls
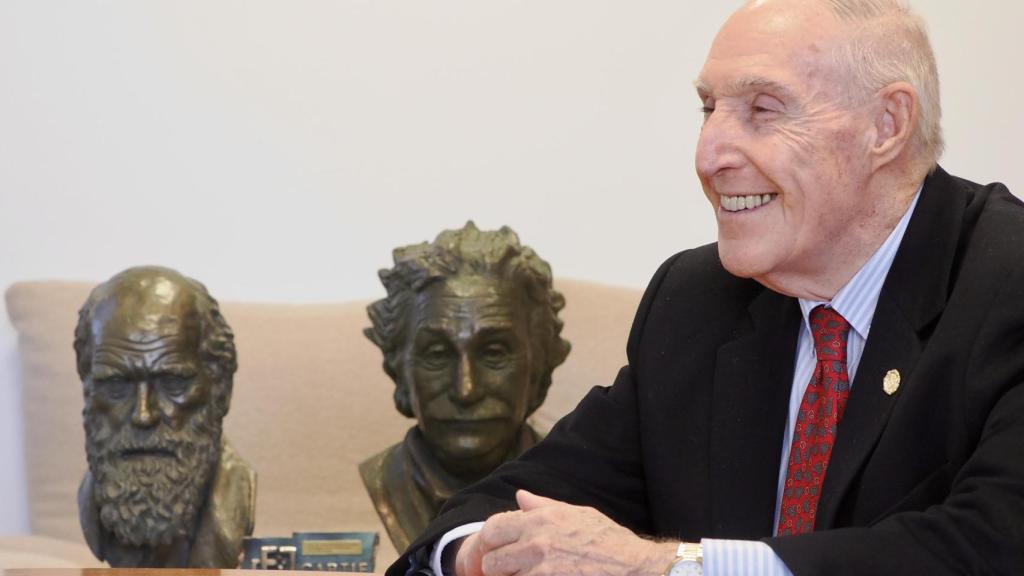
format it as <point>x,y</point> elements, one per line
<point>497,254</point>
<point>216,340</point>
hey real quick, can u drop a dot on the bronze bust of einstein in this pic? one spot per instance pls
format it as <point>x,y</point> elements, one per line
<point>470,335</point>
<point>164,488</point>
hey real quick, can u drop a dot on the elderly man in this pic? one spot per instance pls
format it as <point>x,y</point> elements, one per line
<point>470,335</point>
<point>164,487</point>
<point>837,386</point>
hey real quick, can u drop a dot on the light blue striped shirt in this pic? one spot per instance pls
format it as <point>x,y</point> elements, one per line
<point>856,301</point>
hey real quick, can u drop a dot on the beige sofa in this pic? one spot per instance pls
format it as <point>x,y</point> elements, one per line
<point>310,402</point>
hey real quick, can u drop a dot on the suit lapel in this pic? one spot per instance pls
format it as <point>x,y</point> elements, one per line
<point>913,295</point>
<point>753,374</point>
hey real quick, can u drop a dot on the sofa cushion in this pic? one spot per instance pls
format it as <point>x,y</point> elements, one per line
<point>20,552</point>
<point>310,401</point>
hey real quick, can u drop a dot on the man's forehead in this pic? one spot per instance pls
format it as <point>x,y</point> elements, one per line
<point>773,43</point>
<point>780,16</point>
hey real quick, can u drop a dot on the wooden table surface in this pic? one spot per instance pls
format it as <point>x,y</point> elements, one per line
<point>32,555</point>
<point>157,572</point>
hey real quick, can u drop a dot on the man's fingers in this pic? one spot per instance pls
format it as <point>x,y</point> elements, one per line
<point>500,530</point>
<point>529,501</point>
<point>499,547</point>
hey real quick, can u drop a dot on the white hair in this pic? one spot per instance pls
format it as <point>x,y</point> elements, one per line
<point>889,43</point>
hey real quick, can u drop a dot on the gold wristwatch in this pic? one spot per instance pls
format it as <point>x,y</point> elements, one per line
<point>689,561</point>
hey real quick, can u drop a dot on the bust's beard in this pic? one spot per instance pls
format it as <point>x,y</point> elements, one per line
<point>153,500</point>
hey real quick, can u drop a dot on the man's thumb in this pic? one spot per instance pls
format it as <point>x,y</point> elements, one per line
<point>529,501</point>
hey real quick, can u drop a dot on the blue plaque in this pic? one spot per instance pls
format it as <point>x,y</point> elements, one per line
<point>322,551</point>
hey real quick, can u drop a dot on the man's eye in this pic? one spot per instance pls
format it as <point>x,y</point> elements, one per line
<point>706,111</point>
<point>765,104</point>
<point>760,112</point>
<point>173,385</point>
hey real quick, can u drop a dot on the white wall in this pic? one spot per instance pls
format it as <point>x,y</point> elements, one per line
<point>279,150</point>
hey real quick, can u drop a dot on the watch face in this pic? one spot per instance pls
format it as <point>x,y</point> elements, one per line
<point>686,568</point>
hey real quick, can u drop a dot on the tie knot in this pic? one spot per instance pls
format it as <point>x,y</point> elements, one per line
<point>830,332</point>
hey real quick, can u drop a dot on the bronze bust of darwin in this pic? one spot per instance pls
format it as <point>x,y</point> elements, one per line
<point>164,487</point>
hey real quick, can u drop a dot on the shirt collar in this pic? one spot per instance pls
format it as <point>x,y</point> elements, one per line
<point>856,301</point>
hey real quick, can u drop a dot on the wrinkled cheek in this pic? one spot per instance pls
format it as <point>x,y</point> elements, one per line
<point>98,428</point>
<point>847,152</point>
<point>101,425</point>
<point>795,141</point>
<point>512,389</point>
<point>709,193</point>
<point>427,387</point>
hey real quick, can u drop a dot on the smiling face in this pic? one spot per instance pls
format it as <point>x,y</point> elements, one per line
<point>152,434</point>
<point>467,366</point>
<point>783,159</point>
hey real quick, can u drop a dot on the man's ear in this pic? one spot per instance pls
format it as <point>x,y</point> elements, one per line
<point>895,122</point>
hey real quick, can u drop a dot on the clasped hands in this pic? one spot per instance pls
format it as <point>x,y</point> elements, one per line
<point>547,536</point>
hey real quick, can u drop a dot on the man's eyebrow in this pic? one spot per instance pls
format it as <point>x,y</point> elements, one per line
<point>744,85</point>
<point>701,86</point>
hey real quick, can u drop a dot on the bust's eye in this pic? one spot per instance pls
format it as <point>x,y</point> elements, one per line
<point>495,354</point>
<point>173,384</point>
<point>434,356</point>
<point>113,388</point>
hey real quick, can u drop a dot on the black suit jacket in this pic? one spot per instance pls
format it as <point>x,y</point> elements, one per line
<point>686,443</point>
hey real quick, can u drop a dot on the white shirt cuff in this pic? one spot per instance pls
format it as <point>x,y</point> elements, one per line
<point>449,537</point>
<point>747,557</point>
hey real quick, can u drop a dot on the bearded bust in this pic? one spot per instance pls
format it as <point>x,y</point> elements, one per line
<point>470,335</point>
<point>164,487</point>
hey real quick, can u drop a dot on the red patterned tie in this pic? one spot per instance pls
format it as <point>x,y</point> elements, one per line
<point>815,431</point>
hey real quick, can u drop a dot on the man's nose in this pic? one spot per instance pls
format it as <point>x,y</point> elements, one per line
<point>145,413</point>
<point>717,146</point>
<point>464,390</point>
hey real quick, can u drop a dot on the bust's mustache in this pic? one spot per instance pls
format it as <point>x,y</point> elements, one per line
<point>158,443</point>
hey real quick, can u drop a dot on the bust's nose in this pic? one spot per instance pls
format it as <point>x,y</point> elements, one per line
<point>144,415</point>
<point>465,390</point>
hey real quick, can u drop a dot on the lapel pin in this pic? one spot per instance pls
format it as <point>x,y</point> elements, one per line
<point>891,382</point>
